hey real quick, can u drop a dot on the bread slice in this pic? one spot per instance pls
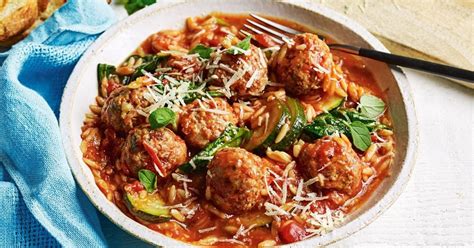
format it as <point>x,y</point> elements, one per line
<point>39,9</point>
<point>52,5</point>
<point>42,5</point>
<point>16,16</point>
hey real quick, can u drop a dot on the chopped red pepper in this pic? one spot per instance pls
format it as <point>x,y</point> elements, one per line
<point>156,161</point>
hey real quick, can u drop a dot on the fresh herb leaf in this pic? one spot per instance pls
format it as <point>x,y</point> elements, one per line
<point>148,179</point>
<point>133,6</point>
<point>161,117</point>
<point>150,63</point>
<point>243,45</point>
<point>371,106</point>
<point>203,51</point>
<point>360,135</point>
<point>231,137</point>
<point>353,124</point>
<point>324,125</point>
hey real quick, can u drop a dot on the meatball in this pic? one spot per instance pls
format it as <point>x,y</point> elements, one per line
<point>235,180</point>
<point>254,69</point>
<point>181,67</point>
<point>304,65</point>
<point>120,108</point>
<point>334,163</point>
<point>203,121</point>
<point>168,148</point>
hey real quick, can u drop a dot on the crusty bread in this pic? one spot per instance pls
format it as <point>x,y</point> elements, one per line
<point>16,16</point>
<point>52,6</point>
<point>42,5</point>
<point>19,17</point>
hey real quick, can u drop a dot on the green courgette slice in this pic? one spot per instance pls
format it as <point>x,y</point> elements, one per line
<point>264,136</point>
<point>331,102</point>
<point>149,208</point>
<point>297,123</point>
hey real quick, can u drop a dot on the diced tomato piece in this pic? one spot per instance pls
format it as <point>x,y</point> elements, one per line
<point>156,160</point>
<point>265,40</point>
<point>136,186</point>
<point>291,231</point>
<point>112,86</point>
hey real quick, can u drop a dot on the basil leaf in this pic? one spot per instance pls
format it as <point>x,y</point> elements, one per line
<point>148,179</point>
<point>161,117</point>
<point>324,125</point>
<point>244,45</point>
<point>371,106</point>
<point>203,51</point>
<point>150,62</point>
<point>133,6</point>
<point>360,135</point>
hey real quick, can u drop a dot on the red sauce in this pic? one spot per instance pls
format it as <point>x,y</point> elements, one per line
<point>105,146</point>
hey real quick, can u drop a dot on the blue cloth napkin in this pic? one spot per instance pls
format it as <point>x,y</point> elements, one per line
<point>41,206</point>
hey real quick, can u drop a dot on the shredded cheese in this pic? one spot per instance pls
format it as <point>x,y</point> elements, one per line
<point>252,79</point>
<point>204,230</point>
<point>320,69</point>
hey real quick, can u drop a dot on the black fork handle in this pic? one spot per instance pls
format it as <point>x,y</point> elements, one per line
<point>418,64</point>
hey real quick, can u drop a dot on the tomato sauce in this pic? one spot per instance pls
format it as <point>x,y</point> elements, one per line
<point>102,148</point>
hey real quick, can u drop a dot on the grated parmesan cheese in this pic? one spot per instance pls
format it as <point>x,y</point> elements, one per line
<point>252,79</point>
<point>204,230</point>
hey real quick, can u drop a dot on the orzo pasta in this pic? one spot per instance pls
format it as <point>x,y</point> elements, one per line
<point>217,139</point>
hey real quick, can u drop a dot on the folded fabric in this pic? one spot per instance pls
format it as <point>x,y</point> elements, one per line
<point>41,204</point>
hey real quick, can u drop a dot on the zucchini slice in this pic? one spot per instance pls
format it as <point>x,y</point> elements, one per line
<point>331,102</point>
<point>264,135</point>
<point>149,208</point>
<point>297,122</point>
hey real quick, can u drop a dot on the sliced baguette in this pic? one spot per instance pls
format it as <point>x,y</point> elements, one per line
<point>52,5</point>
<point>16,16</point>
<point>44,9</point>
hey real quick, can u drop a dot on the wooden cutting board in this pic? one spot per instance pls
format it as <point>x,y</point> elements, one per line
<point>437,30</point>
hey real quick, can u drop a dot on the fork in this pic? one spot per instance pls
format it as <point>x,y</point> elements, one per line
<point>281,34</point>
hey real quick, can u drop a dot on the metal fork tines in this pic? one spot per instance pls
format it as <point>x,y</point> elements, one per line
<point>277,32</point>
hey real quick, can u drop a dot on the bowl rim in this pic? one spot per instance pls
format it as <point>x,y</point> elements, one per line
<point>135,229</point>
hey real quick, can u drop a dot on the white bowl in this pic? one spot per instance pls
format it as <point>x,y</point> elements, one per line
<point>118,42</point>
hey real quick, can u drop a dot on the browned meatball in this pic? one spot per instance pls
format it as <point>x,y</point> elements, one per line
<point>235,180</point>
<point>120,108</point>
<point>303,65</point>
<point>334,164</point>
<point>203,121</point>
<point>167,147</point>
<point>254,69</point>
<point>181,67</point>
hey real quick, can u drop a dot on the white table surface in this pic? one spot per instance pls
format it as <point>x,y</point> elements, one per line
<point>436,208</point>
